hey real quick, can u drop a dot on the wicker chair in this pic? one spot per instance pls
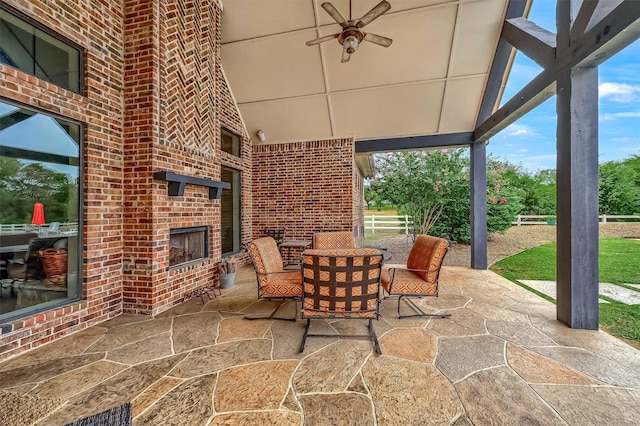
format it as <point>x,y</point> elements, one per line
<point>333,240</point>
<point>274,282</point>
<point>341,283</point>
<point>419,278</point>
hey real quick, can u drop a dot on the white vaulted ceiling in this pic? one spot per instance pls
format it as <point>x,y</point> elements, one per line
<point>429,81</point>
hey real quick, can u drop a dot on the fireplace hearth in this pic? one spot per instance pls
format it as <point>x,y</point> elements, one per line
<point>188,245</point>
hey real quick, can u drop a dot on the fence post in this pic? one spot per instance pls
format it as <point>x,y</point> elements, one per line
<point>604,218</point>
<point>373,226</point>
<point>406,224</point>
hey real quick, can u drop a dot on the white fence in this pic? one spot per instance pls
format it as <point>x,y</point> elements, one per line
<point>13,228</point>
<point>398,223</point>
<point>404,223</point>
<point>534,219</point>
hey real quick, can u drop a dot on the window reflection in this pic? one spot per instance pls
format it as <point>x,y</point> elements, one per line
<point>39,210</point>
<point>229,142</point>
<point>31,50</point>
<point>230,211</point>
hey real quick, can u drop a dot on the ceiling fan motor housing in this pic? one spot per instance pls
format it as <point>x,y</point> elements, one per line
<point>350,39</point>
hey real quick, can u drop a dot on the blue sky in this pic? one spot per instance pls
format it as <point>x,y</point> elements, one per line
<point>531,140</point>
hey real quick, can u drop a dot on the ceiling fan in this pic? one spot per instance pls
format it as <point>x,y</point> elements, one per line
<point>351,35</point>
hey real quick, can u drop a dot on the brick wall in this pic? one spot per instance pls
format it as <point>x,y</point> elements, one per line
<point>98,27</point>
<point>303,187</point>
<point>229,117</point>
<point>185,100</point>
<point>170,125</point>
<point>155,99</point>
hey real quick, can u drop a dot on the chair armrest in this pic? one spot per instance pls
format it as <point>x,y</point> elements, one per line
<point>394,267</point>
<point>286,271</point>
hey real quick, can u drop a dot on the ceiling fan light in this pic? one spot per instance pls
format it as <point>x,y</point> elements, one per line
<point>350,44</point>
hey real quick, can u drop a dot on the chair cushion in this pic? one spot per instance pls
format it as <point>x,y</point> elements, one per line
<point>284,284</point>
<point>333,240</point>
<point>427,253</point>
<point>407,282</point>
<point>342,251</point>
<point>266,255</point>
<point>327,298</point>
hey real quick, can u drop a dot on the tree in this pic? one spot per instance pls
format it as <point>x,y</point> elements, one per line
<point>433,188</point>
<point>416,182</point>
<point>619,192</point>
<point>537,192</point>
<point>23,184</point>
<point>373,193</point>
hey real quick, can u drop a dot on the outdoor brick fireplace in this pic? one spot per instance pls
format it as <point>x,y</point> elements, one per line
<point>188,245</point>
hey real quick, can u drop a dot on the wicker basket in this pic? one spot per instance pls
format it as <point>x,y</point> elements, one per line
<point>54,265</point>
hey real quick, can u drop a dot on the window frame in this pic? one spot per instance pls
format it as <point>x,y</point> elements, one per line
<point>59,37</point>
<point>239,217</point>
<point>236,137</point>
<point>80,290</point>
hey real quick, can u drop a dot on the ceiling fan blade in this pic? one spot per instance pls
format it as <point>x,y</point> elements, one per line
<point>331,10</point>
<point>322,39</point>
<point>374,13</point>
<point>378,39</point>
<point>345,56</point>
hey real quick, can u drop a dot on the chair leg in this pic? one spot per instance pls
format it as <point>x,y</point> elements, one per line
<point>272,314</point>
<point>304,336</point>
<point>372,333</point>
<point>417,308</point>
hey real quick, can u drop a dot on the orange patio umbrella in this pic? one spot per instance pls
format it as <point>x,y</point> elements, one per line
<point>38,214</point>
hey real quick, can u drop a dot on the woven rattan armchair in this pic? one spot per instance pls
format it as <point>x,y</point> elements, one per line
<point>333,240</point>
<point>341,283</point>
<point>274,282</point>
<point>419,277</point>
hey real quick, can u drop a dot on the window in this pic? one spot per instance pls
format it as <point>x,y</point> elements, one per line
<point>230,211</point>
<point>36,52</point>
<point>230,143</point>
<point>39,211</point>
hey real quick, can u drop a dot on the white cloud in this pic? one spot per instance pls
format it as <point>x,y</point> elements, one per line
<point>619,92</point>
<point>614,115</point>
<point>519,130</point>
<point>624,139</point>
<point>523,150</point>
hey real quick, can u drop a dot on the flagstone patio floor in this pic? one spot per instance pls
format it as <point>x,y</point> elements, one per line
<point>502,358</point>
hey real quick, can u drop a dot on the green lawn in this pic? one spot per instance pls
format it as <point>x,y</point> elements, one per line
<point>619,263</point>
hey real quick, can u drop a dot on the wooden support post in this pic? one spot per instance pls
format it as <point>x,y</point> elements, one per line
<point>478,155</point>
<point>577,184</point>
<point>577,198</point>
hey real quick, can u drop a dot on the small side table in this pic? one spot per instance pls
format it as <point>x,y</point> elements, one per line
<point>298,245</point>
<point>386,255</point>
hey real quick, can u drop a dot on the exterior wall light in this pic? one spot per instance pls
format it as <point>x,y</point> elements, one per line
<point>261,136</point>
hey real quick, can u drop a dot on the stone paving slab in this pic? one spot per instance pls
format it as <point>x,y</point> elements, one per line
<point>501,358</point>
<point>616,292</point>
<point>620,294</point>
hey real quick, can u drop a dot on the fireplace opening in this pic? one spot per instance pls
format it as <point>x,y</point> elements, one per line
<point>188,245</point>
